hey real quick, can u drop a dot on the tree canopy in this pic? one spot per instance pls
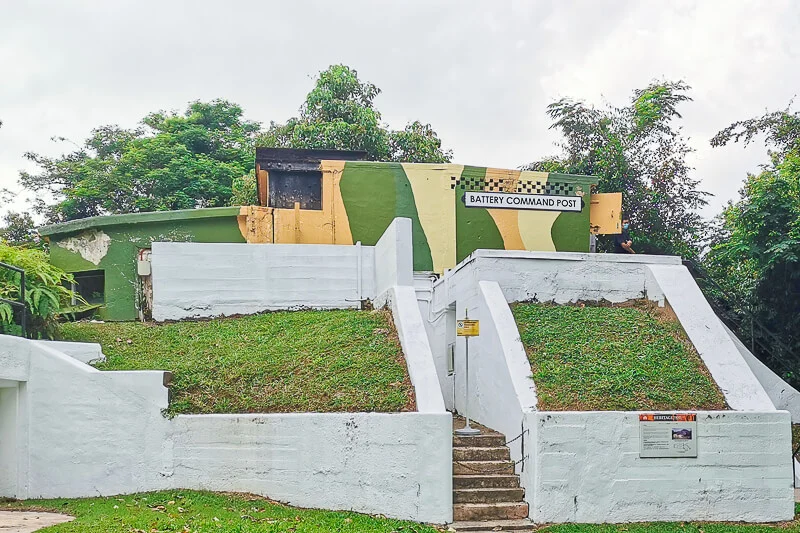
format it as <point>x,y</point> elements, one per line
<point>172,161</point>
<point>204,156</point>
<point>755,243</point>
<point>339,113</point>
<point>640,151</point>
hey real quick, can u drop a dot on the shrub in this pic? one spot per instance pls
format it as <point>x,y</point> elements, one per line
<point>46,291</point>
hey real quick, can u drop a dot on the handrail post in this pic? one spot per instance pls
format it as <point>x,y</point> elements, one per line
<point>23,320</point>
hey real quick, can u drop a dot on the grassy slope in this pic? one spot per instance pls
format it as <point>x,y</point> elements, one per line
<point>203,512</point>
<point>277,362</point>
<point>613,358</point>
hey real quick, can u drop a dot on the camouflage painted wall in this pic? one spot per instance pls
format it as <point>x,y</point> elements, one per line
<point>359,201</point>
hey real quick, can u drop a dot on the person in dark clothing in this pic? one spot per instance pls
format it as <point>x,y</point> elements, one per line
<point>622,242</point>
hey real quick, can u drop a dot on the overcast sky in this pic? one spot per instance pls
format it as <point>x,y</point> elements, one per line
<point>481,73</point>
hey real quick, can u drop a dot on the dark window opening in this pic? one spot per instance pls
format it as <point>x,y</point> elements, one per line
<point>286,188</point>
<point>90,285</point>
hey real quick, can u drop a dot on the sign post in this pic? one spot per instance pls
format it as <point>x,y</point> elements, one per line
<point>467,328</point>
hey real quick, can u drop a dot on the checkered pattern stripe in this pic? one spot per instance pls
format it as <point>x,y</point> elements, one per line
<point>523,187</point>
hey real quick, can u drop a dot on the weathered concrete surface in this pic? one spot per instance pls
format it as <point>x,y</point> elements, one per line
<point>25,522</point>
<point>586,468</point>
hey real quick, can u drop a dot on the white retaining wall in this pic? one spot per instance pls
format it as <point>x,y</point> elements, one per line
<point>783,395</point>
<point>79,431</point>
<point>192,280</point>
<point>395,464</point>
<point>584,466</point>
<point>588,470</point>
<point>394,258</point>
<point>417,350</point>
<point>203,279</point>
<point>69,430</point>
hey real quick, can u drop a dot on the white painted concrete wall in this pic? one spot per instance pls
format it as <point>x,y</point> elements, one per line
<point>82,432</point>
<point>588,470</point>
<point>417,350</point>
<point>85,352</point>
<point>727,366</point>
<point>560,277</point>
<point>192,280</point>
<point>203,279</point>
<point>8,437</point>
<point>397,464</point>
<point>783,395</point>
<point>394,259</point>
<point>585,466</point>
<point>501,390</point>
<point>79,432</point>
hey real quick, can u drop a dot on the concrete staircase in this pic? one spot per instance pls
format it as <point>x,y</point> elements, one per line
<point>486,491</point>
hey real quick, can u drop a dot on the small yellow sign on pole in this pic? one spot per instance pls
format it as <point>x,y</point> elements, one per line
<point>467,328</point>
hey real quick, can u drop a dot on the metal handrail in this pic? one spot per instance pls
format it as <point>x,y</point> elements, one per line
<point>777,351</point>
<point>21,303</point>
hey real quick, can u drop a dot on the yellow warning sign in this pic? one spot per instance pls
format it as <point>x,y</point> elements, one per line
<point>467,328</point>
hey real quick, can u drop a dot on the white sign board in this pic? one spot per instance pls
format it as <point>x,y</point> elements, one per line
<point>668,435</point>
<point>504,200</point>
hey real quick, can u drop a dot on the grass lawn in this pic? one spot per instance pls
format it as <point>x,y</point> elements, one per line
<point>203,512</point>
<point>680,527</point>
<point>294,361</point>
<point>630,357</point>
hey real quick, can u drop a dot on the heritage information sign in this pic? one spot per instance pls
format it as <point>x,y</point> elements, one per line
<point>505,200</point>
<point>668,435</point>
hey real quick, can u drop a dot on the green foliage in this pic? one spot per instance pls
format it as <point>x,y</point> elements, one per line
<point>243,190</point>
<point>613,358</point>
<point>19,230</point>
<point>275,362</point>
<point>173,161</point>
<point>46,293</point>
<point>755,243</point>
<point>339,113</point>
<point>205,512</point>
<point>639,151</point>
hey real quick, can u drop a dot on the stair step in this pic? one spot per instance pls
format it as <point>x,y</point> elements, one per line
<point>499,453</point>
<point>491,495</point>
<point>494,525</point>
<point>490,511</point>
<point>487,481</point>
<point>483,467</point>
<point>480,441</point>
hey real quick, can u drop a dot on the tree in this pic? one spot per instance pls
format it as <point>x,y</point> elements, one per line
<point>755,245</point>
<point>639,151</point>
<point>19,229</point>
<point>339,113</point>
<point>172,161</point>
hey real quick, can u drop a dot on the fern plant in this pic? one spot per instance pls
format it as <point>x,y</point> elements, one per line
<point>47,291</point>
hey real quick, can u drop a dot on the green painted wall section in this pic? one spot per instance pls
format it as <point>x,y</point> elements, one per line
<point>475,228</point>
<point>119,262</point>
<point>570,231</point>
<point>373,196</point>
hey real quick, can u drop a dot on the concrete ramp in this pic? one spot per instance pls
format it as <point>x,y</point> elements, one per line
<point>722,358</point>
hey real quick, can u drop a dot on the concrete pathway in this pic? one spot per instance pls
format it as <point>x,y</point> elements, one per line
<point>26,521</point>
